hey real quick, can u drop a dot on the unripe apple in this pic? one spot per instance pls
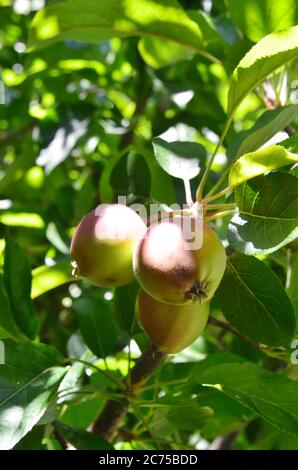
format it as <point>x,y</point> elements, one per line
<point>169,271</point>
<point>102,246</point>
<point>170,328</point>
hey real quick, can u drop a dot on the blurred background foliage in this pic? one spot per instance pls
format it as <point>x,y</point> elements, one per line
<point>76,129</point>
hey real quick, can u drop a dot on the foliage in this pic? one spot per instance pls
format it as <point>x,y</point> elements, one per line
<point>156,102</point>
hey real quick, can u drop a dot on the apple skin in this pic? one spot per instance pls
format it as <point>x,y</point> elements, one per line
<point>170,272</point>
<point>170,328</point>
<point>103,244</point>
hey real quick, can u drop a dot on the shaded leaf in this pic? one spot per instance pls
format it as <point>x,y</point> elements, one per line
<point>273,397</point>
<point>124,307</point>
<point>271,122</point>
<point>293,282</point>
<point>28,380</point>
<point>81,439</point>
<point>252,299</point>
<point>190,418</point>
<point>17,280</point>
<point>8,327</point>
<point>97,327</point>
<point>229,414</point>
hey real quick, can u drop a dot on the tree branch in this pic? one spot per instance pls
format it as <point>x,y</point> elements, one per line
<point>226,326</point>
<point>108,422</point>
<point>60,438</point>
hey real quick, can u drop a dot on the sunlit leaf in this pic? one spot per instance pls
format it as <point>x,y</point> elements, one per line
<point>266,56</point>
<point>180,159</point>
<point>260,162</point>
<point>28,380</point>
<point>46,278</point>
<point>268,214</point>
<point>101,20</point>
<point>256,18</point>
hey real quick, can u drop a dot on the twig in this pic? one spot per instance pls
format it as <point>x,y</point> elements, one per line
<point>109,420</point>
<point>215,207</point>
<point>60,438</point>
<point>106,373</point>
<point>228,327</point>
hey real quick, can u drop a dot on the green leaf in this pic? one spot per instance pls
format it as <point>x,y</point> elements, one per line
<point>235,52</point>
<point>268,214</point>
<point>45,278</point>
<point>32,440</point>
<point>253,299</point>
<point>71,382</point>
<point>28,381</point>
<point>17,280</point>
<point>97,327</point>
<point>124,307</point>
<point>82,414</point>
<point>130,175</point>
<point>161,185</point>
<point>22,219</point>
<point>8,327</point>
<point>81,439</point>
<point>229,414</point>
<point>15,171</point>
<point>291,144</point>
<point>179,159</point>
<point>189,417</point>
<point>256,18</point>
<point>160,53</point>
<point>257,163</point>
<point>271,122</point>
<point>266,56</point>
<point>94,21</point>
<point>293,282</point>
<point>213,30</point>
<point>273,397</point>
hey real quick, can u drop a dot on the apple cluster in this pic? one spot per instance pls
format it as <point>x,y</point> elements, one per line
<point>112,246</point>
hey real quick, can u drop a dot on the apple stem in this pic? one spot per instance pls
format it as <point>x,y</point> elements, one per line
<point>212,207</point>
<point>187,189</point>
<point>219,215</point>
<point>209,164</point>
<point>216,196</point>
